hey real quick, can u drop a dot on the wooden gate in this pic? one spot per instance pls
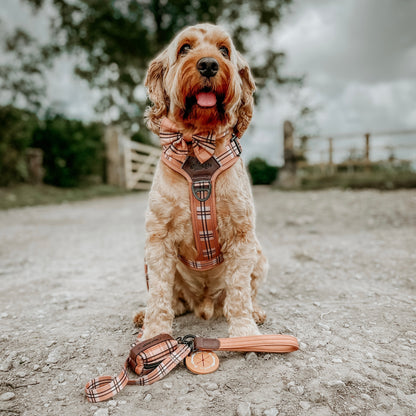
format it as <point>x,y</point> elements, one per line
<point>140,162</point>
<point>130,164</point>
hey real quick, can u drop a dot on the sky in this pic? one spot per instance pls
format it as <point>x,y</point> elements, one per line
<point>359,63</point>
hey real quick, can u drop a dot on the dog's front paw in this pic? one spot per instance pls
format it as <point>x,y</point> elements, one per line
<point>152,331</point>
<point>243,328</point>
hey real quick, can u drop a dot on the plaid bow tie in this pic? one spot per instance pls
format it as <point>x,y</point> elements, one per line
<point>176,144</point>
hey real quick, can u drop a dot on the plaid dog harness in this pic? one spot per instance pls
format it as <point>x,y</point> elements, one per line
<point>200,171</point>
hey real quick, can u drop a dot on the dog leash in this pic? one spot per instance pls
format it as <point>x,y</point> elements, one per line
<point>154,358</point>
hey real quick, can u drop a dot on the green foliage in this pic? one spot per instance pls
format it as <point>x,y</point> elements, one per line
<point>21,70</point>
<point>261,172</point>
<point>23,195</point>
<point>16,128</point>
<point>72,150</point>
<point>383,179</point>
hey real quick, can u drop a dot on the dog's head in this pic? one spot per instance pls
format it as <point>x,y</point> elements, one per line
<point>201,81</point>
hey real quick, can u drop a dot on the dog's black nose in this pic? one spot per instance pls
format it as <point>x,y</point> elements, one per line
<point>207,67</point>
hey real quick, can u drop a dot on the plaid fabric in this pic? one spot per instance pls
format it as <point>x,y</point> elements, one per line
<point>151,364</point>
<point>202,192</point>
<point>176,144</point>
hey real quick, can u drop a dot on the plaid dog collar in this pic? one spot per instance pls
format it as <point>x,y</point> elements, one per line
<point>201,174</point>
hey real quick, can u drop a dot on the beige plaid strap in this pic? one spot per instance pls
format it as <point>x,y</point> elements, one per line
<point>103,388</point>
<point>201,178</point>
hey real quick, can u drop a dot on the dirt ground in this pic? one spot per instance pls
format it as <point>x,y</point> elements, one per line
<point>342,280</point>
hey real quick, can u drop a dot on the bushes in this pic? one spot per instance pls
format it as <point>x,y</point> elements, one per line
<point>72,150</point>
<point>261,172</point>
<point>16,129</point>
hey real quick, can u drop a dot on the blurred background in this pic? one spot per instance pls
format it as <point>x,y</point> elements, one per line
<point>335,104</point>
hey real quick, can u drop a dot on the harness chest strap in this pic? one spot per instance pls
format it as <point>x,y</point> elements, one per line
<point>201,178</point>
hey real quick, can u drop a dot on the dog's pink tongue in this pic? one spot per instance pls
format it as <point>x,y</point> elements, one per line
<point>206,99</point>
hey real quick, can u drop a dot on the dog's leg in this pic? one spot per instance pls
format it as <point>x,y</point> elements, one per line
<point>258,276</point>
<point>161,262</point>
<point>238,307</point>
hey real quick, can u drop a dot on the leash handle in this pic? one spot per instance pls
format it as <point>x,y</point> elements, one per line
<point>256,343</point>
<point>103,388</point>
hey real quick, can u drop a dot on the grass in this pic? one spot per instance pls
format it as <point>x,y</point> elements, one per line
<point>29,195</point>
<point>361,180</point>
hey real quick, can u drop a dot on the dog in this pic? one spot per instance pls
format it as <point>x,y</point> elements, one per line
<point>200,82</point>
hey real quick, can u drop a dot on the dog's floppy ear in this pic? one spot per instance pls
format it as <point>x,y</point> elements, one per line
<point>245,110</point>
<point>156,92</point>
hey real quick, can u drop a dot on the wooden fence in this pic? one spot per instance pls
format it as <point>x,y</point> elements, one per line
<point>129,164</point>
<point>338,152</point>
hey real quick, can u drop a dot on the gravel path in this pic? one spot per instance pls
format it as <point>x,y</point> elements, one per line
<point>342,279</point>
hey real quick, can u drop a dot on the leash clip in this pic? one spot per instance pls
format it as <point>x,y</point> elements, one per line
<point>189,340</point>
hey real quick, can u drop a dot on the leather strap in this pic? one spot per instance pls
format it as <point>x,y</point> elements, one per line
<point>256,343</point>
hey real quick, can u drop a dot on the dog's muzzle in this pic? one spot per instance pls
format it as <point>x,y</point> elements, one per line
<point>207,67</point>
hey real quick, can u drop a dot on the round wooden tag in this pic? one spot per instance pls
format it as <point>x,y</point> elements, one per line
<point>202,362</point>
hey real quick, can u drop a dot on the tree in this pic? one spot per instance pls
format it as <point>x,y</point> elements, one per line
<point>16,129</point>
<point>21,81</point>
<point>115,39</point>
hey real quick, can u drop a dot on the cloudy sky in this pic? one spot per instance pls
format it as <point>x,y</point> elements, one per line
<point>358,57</point>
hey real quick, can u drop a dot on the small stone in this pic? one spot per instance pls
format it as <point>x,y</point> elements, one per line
<point>305,405</point>
<point>244,409</point>
<point>251,356</point>
<point>4,315</point>
<point>61,378</point>
<point>267,357</point>
<point>336,383</point>
<point>50,343</point>
<point>45,369</point>
<point>298,390</point>
<point>148,397</point>
<point>21,374</point>
<point>54,356</point>
<point>167,385</point>
<point>101,412</point>
<point>6,365</point>
<point>25,359</point>
<point>366,397</point>
<point>346,325</point>
<point>271,412</point>
<point>36,367</point>
<point>112,403</point>
<point>273,291</point>
<point>317,304</point>
<point>7,396</point>
<point>86,335</point>
<point>337,360</point>
<point>210,386</point>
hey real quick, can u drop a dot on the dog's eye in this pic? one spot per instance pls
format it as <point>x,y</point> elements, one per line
<point>224,50</point>
<point>184,49</point>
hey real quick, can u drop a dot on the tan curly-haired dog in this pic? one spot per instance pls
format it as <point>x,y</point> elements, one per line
<point>200,82</point>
